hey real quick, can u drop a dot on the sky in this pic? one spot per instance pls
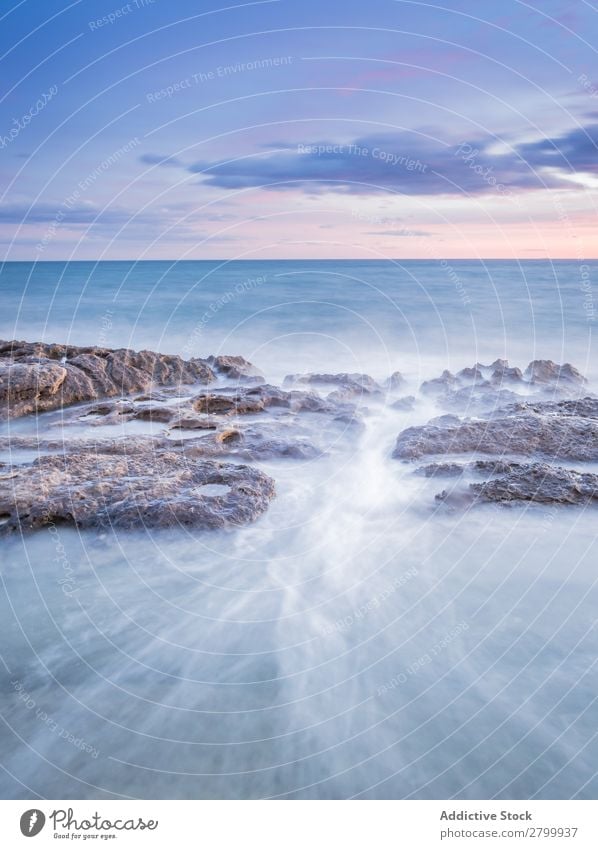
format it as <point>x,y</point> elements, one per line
<point>164,129</point>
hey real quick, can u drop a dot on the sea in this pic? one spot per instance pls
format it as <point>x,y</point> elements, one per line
<point>358,640</point>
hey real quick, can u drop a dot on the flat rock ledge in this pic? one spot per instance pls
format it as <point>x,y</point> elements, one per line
<point>518,482</point>
<point>36,377</point>
<point>153,488</point>
<point>557,432</point>
<point>521,444</point>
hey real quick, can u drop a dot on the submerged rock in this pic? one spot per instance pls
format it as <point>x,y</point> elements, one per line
<point>525,434</point>
<point>440,385</point>
<point>539,483</point>
<point>236,368</point>
<point>144,488</point>
<point>395,382</point>
<point>35,377</point>
<point>355,383</point>
<point>545,371</point>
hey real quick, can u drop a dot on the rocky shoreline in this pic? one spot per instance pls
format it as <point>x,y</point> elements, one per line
<point>218,411</point>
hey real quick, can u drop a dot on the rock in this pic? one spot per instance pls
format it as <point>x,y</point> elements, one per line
<point>548,372</point>
<point>470,374</point>
<point>216,405</point>
<point>155,413</point>
<point>525,434</point>
<point>359,384</point>
<point>478,398</point>
<point>434,470</point>
<point>143,488</point>
<point>504,374</point>
<point>29,385</point>
<point>236,368</point>
<point>586,408</point>
<point>35,377</point>
<point>477,466</point>
<point>448,420</point>
<point>439,385</point>
<point>539,483</point>
<point>395,382</point>
<point>243,401</point>
<point>194,423</point>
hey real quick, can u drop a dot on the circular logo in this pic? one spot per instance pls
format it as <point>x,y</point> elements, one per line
<point>32,822</point>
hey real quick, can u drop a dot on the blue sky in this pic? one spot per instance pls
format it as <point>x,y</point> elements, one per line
<point>172,129</point>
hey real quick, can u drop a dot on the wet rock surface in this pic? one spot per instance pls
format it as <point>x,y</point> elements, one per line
<point>35,377</point>
<point>183,425</point>
<point>486,388</point>
<point>149,487</point>
<point>525,434</point>
<point>525,431</point>
<point>539,483</point>
<point>348,385</point>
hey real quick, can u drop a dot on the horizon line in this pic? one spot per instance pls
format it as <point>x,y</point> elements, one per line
<point>317,259</point>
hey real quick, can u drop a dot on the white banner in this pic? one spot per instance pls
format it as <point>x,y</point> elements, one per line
<point>299,824</point>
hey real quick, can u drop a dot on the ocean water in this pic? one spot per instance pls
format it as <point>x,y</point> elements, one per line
<point>358,640</point>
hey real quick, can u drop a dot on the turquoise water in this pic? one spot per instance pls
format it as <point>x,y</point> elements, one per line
<point>356,641</point>
<point>293,315</point>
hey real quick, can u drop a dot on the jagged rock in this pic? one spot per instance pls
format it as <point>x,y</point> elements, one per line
<point>434,470</point>
<point>480,398</point>
<point>504,374</point>
<point>547,372</point>
<point>586,408</point>
<point>236,368</point>
<point>35,377</point>
<point>439,385</point>
<point>359,384</point>
<point>245,401</point>
<point>525,434</point>
<point>144,488</point>
<point>539,483</point>
<point>470,374</point>
<point>395,382</point>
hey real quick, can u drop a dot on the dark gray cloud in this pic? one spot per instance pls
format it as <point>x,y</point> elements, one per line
<point>160,159</point>
<point>572,152</point>
<point>46,213</point>
<point>408,163</point>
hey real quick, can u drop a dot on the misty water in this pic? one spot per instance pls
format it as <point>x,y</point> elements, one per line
<point>359,639</point>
